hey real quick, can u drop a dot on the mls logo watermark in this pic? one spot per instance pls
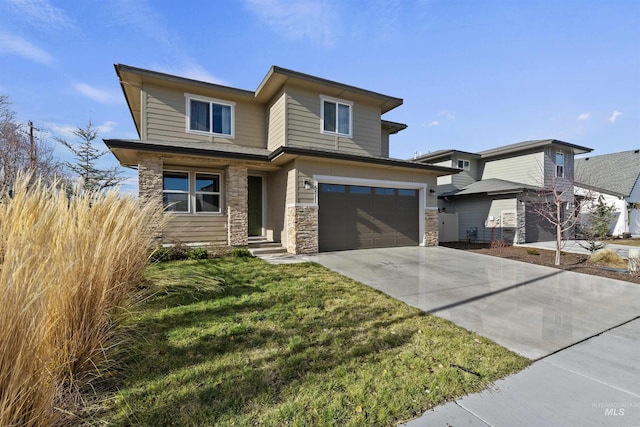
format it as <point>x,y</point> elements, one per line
<point>615,409</point>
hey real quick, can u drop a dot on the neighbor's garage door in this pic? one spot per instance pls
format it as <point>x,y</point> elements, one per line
<point>358,217</point>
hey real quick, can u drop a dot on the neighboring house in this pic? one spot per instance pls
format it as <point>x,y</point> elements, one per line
<point>616,177</point>
<point>301,160</point>
<point>492,197</point>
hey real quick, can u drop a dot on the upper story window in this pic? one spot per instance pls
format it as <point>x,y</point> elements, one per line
<point>336,116</point>
<point>185,192</point>
<point>559,164</point>
<point>464,164</point>
<point>210,116</point>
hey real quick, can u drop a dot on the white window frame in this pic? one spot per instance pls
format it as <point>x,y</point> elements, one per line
<point>214,193</point>
<point>336,101</point>
<point>177,191</point>
<point>189,97</point>
<point>464,162</point>
<point>191,181</point>
<point>559,167</point>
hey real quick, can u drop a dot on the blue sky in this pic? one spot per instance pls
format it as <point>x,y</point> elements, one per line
<point>473,74</point>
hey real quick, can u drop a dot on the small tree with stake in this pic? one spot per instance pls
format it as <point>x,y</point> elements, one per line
<point>597,225</point>
<point>86,156</point>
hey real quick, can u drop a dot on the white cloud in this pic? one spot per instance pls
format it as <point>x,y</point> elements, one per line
<point>298,19</point>
<point>197,72</point>
<point>447,114</point>
<point>583,116</point>
<point>41,14</point>
<point>434,123</point>
<point>106,127</point>
<point>99,95</point>
<point>614,116</point>
<point>67,131</point>
<point>19,46</point>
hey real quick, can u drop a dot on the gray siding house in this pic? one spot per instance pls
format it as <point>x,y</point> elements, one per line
<point>301,160</point>
<point>492,195</point>
<point>615,177</point>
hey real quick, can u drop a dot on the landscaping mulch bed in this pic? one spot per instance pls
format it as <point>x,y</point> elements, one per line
<point>569,261</point>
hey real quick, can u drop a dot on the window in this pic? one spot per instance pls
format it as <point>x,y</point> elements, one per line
<point>191,193</point>
<point>357,189</point>
<point>385,191</point>
<point>464,164</point>
<point>332,188</point>
<point>210,116</point>
<point>336,116</point>
<point>207,193</point>
<point>559,164</point>
<point>175,191</point>
<point>402,192</point>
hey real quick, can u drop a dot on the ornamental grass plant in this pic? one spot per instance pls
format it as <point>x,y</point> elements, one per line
<point>68,262</point>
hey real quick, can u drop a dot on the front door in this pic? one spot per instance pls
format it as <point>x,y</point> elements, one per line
<point>255,205</point>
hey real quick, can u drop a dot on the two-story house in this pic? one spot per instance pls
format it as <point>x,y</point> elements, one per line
<point>301,160</point>
<point>494,196</point>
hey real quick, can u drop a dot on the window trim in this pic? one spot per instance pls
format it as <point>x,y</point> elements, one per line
<point>177,192</point>
<point>463,162</point>
<point>214,193</point>
<point>559,167</point>
<point>337,102</point>
<point>189,97</point>
<point>191,192</point>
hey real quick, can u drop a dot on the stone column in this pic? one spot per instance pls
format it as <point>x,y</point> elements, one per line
<point>431,227</point>
<point>521,227</point>
<point>302,229</point>
<point>150,186</point>
<point>236,199</point>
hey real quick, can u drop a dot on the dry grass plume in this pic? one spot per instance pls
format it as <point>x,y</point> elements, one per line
<point>66,264</point>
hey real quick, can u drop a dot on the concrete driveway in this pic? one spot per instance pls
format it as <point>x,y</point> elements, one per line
<point>530,309</point>
<point>584,332</point>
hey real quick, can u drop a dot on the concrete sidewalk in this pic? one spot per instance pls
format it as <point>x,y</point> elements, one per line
<point>594,383</point>
<point>584,332</point>
<point>574,247</point>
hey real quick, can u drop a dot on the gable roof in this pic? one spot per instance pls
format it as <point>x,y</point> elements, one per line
<point>615,173</point>
<point>440,155</point>
<point>528,145</point>
<point>492,186</point>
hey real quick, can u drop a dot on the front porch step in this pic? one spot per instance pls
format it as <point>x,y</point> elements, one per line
<point>262,246</point>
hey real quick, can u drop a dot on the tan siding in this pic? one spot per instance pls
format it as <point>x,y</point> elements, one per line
<point>303,125</point>
<point>276,203</point>
<point>277,122</point>
<point>308,169</point>
<point>165,120</point>
<point>526,169</point>
<point>384,148</point>
<point>196,228</point>
<point>291,186</point>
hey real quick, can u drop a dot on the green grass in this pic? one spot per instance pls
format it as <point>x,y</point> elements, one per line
<point>236,341</point>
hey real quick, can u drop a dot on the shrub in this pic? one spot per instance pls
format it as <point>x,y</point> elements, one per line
<point>608,258</point>
<point>67,264</point>
<point>241,253</point>
<point>532,251</point>
<point>159,254</point>
<point>198,253</point>
<point>178,251</point>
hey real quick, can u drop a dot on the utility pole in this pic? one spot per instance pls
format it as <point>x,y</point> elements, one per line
<point>32,142</point>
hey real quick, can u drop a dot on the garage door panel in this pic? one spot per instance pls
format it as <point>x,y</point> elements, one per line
<point>355,217</point>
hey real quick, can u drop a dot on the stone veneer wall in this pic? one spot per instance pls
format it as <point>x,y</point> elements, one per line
<point>521,226</point>
<point>431,227</point>
<point>150,184</point>
<point>236,196</point>
<point>302,229</point>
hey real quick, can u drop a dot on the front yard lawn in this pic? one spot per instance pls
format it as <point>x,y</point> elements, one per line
<point>289,344</point>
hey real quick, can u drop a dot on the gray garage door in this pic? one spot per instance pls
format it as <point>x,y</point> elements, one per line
<point>537,229</point>
<point>358,217</point>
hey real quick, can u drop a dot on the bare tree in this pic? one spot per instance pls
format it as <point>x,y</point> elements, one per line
<point>558,205</point>
<point>21,150</point>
